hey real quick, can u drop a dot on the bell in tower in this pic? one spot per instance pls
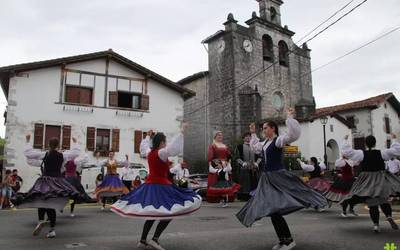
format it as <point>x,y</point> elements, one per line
<point>270,10</point>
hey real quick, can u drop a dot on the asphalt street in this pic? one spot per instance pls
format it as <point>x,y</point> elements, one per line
<point>212,227</point>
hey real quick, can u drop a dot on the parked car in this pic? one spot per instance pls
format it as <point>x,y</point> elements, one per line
<point>139,170</point>
<point>198,182</point>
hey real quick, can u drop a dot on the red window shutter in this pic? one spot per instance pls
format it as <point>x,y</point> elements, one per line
<point>138,140</point>
<point>113,99</point>
<point>90,137</point>
<point>38,136</point>
<point>144,102</point>
<point>66,137</point>
<point>85,96</point>
<point>72,94</point>
<point>115,140</point>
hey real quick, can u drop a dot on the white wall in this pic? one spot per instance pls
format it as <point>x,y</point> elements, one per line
<point>311,141</point>
<point>32,100</point>
<point>379,130</point>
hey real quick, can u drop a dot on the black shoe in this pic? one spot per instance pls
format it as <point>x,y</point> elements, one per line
<point>393,223</point>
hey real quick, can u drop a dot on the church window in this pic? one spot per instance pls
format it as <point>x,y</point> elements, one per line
<point>268,52</point>
<point>283,54</point>
<point>273,14</point>
<point>277,100</point>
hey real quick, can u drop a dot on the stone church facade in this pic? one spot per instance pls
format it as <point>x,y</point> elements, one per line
<point>255,73</point>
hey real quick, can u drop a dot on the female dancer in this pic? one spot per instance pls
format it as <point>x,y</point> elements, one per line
<point>219,163</point>
<point>158,198</point>
<point>315,169</point>
<point>112,186</point>
<point>374,185</point>
<point>279,192</point>
<point>51,191</point>
<point>342,185</point>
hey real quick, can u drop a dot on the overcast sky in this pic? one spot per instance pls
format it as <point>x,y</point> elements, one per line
<point>165,37</point>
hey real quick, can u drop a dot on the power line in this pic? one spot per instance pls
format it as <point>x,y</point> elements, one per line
<point>325,21</point>
<point>337,20</point>
<point>251,77</point>
<point>357,49</point>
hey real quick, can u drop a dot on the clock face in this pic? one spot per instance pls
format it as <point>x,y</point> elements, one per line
<point>277,101</point>
<point>221,46</point>
<point>248,46</point>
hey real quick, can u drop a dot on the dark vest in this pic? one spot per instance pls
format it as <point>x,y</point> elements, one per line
<point>52,164</point>
<point>316,173</point>
<point>274,156</point>
<point>372,161</point>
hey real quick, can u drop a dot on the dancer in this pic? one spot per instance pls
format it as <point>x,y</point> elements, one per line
<point>72,177</point>
<point>158,198</point>
<point>342,185</point>
<point>315,169</point>
<point>374,185</point>
<point>248,163</point>
<point>51,191</point>
<point>219,164</point>
<point>279,192</point>
<point>112,186</point>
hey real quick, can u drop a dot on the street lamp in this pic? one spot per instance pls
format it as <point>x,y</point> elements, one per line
<point>324,121</point>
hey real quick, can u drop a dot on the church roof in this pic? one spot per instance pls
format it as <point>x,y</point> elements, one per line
<point>7,71</point>
<point>369,103</point>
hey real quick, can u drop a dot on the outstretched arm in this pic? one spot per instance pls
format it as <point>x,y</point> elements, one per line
<point>74,152</point>
<point>349,152</point>
<point>306,167</point>
<point>393,151</point>
<point>145,147</point>
<point>30,153</point>
<point>255,143</point>
<point>293,133</point>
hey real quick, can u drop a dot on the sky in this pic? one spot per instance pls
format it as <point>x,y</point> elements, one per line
<point>165,36</point>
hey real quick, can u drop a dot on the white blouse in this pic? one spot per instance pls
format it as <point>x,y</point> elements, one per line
<point>172,149</point>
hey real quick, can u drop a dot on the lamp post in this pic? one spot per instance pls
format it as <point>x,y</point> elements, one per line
<point>324,121</point>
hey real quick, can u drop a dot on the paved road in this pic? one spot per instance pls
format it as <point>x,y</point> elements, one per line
<point>210,228</point>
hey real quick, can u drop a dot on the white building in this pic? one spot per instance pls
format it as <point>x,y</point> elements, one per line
<point>378,116</point>
<point>103,99</point>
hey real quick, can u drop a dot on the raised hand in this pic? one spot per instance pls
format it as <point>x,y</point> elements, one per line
<point>290,112</point>
<point>346,137</point>
<point>252,128</point>
<point>28,137</point>
<point>393,136</point>
<point>73,139</point>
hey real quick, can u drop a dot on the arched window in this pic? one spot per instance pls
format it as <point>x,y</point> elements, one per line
<point>273,14</point>
<point>268,50</point>
<point>283,54</point>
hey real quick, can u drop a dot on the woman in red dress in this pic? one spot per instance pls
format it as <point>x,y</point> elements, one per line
<point>219,181</point>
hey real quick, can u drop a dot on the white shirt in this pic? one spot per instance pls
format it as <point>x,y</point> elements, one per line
<point>179,172</point>
<point>358,155</point>
<point>227,169</point>
<point>172,149</point>
<point>34,157</point>
<point>393,166</point>
<point>340,163</point>
<point>310,168</point>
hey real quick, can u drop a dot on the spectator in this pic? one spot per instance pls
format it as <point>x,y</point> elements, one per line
<point>137,182</point>
<point>17,181</point>
<point>7,189</point>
